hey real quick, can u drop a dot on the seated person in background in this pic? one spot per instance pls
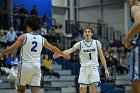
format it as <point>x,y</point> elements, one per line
<point>123,66</point>
<point>11,36</point>
<point>2,64</point>
<point>11,57</point>
<point>13,72</point>
<point>46,67</point>
<point>52,31</point>
<point>46,62</point>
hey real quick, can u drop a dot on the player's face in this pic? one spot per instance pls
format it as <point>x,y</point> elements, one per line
<point>87,34</point>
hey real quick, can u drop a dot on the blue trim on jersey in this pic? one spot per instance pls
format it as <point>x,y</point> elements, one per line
<point>86,44</point>
<point>95,82</point>
<point>98,69</point>
<point>80,45</point>
<point>25,39</point>
<point>42,43</point>
<point>133,75</point>
<point>139,62</point>
<point>21,53</point>
<point>19,73</point>
<point>132,64</point>
<point>90,83</point>
<point>96,44</point>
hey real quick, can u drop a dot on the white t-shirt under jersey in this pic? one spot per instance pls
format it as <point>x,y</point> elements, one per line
<point>88,52</point>
<point>31,48</point>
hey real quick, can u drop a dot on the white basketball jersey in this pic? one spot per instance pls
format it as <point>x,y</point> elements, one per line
<point>31,48</point>
<point>88,52</point>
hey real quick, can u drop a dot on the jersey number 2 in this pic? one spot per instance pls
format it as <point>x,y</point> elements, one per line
<point>33,49</point>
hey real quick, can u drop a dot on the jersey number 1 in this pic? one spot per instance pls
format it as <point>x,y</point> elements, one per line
<point>90,56</point>
<point>33,49</point>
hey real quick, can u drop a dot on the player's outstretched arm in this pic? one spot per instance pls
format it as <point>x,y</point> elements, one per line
<point>16,45</point>
<point>55,50</point>
<point>103,61</point>
<point>69,51</point>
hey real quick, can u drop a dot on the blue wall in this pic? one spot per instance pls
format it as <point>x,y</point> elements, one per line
<point>1,1</point>
<point>43,6</point>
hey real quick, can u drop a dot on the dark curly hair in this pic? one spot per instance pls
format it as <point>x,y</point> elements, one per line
<point>87,27</point>
<point>34,22</point>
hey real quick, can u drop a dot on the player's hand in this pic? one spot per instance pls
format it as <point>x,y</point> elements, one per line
<point>127,42</point>
<point>106,73</point>
<point>56,56</point>
<point>66,56</point>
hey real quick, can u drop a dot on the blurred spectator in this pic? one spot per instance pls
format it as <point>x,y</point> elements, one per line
<point>11,36</point>
<point>2,64</point>
<point>23,13</point>
<point>117,43</point>
<point>9,60</point>
<point>111,44</point>
<point>3,40</point>
<point>4,17</point>
<point>12,77</point>
<point>46,62</point>
<point>60,30</point>
<point>111,63</point>
<point>43,30</point>
<point>16,20</point>
<point>123,66</point>
<point>52,31</point>
<point>44,20</point>
<point>75,33</point>
<point>34,11</point>
<point>46,67</point>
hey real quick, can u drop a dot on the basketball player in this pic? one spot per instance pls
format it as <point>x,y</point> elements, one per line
<point>135,49</point>
<point>31,46</point>
<point>89,71</point>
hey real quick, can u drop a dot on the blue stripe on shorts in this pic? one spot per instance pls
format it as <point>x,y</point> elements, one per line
<point>132,64</point>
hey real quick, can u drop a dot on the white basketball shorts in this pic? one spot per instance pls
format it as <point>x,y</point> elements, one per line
<point>29,73</point>
<point>89,76</point>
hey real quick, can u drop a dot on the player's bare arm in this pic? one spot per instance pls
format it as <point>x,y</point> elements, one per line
<point>69,51</point>
<point>16,45</point>
<point>135,27</point>
<point>103,61</point>
<point>55,49</point>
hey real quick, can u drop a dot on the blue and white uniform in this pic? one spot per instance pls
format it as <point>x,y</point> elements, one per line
<point>134,59</point>
<point>89,71</point>
<point>30,71</point>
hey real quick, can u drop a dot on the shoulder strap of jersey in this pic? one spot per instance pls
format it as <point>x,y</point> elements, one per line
<point>96,44</point>
<point>80,45</point>
<point>25,38</point>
